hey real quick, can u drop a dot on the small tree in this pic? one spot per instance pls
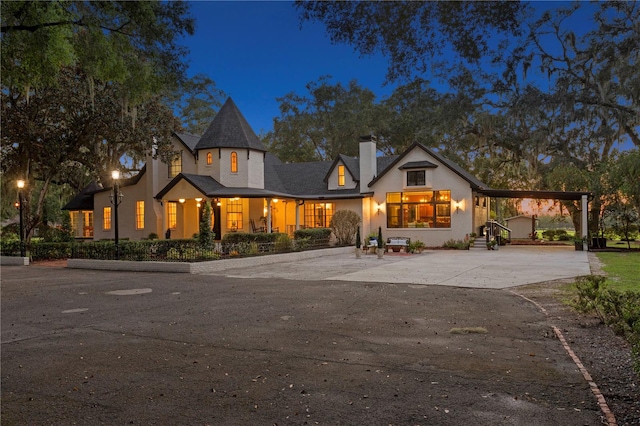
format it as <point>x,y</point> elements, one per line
<point>206,235</point>
<point>344,224</point>
<point>380,245</point>
<point>358,243</point>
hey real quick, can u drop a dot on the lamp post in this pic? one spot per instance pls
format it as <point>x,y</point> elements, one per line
<point>116,199</point>
<point>21,207</point>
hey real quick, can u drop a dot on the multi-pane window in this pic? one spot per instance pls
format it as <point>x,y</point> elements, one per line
<point>139,214</point>
<point>172,214</point>
<point>234,162</point>
<point>415,178</point>
<point>175,166</point>
<point>209,158</point>
<point>106,218</point>
<point>340,175</point>
<point>424,209</point>
<point>318,215</point>
<point>87,221</point>
<point>234,214</point>
<point>75,223</point>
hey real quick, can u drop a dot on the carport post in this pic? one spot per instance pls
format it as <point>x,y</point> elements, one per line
<point>584,224</point>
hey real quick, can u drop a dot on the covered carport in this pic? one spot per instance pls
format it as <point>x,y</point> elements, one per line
<point>581,196</point>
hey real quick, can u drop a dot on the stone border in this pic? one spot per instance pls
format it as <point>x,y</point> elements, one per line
<point>14,261</point>
<point>203,267</point>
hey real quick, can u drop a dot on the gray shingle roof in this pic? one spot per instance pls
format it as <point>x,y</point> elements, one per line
<point>84,199</point>
<point>188,140</point>
<point>229,129</point>
<point>417,165</point>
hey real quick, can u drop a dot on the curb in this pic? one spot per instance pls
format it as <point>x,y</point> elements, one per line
<point>202,267</point>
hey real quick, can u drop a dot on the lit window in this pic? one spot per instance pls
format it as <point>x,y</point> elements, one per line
<point>106,218</point>
<point>425,209</point>
<point>139,214</point>
<point>234,214</point>
<point>175,166</point>
<point>172,212</point>
<point>415,178</point>
<point>318,215</point>
<point>209,159</point>
<point>87,224</point>
<point>75,223</point>
<point>234,162</point>
<point>341,175</point>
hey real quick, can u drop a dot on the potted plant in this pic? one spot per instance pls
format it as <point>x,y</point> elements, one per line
<point>578,243</point>
<point>492,245</point>
<point>418,246</point>
<point>358,244</point>
<point>380,250</point>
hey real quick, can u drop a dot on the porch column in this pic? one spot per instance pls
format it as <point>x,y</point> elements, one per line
<point>584,221</point>
<point>269,215</point>
<point>298,204</point>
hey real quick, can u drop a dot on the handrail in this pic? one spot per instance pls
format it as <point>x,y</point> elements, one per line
<point>496,229</point>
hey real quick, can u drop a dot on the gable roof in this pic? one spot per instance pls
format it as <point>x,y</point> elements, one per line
<point>351,163</point>
<point>84,199</point>
<point>188,140</point>
<point>473,181</point>
<point>229,129</point>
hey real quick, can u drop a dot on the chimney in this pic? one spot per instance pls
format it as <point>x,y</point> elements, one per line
<point>368,168</point>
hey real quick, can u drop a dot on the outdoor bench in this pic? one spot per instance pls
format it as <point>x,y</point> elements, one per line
<point>398,243</point>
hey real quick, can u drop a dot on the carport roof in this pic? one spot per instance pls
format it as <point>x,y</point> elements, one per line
<point>538,195</point>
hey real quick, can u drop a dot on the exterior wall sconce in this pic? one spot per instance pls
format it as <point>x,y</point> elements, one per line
<point>458,205</point>
<point>379,208</point>
<point>198,200</point>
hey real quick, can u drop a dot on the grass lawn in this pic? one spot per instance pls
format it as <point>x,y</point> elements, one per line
<point>623,270</point>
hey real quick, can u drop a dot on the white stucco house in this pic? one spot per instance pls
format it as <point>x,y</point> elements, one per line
<point>418,194</point>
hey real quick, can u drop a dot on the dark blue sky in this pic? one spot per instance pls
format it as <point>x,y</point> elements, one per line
<point>256,51</point>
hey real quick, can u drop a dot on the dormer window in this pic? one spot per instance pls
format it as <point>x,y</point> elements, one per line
<point>209,158</point>
<point>415,178</point>
<point>234,162</point>
<point>341,175</point>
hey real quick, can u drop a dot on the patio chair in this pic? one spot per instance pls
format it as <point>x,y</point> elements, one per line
<point>254,228</point>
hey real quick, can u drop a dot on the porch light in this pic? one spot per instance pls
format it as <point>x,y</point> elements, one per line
<point>458,205</point>
<point>181,200</point>
<point>275,200</point>
<point>198,199</point>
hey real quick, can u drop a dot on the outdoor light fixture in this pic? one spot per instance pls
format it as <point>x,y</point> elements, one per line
<point>116,199</point>
<point>458,205</point>
<point>198,199</point>
<point>181,200</point>
<point>21,209</point>
<point>275,200</point>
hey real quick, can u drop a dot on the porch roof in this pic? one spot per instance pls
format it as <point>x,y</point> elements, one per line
<point>536,195</point>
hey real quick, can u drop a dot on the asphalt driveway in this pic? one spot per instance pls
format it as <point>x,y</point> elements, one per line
<point>108,347</point>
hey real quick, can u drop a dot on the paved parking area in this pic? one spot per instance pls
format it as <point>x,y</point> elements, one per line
<point>510,266</point>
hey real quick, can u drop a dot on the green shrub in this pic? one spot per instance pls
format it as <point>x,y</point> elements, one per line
<point>344,224</point>
<point>549,234</point>
<point>283,243</point>
<point>316,236</point>
<point>565,237</point>
<point>456,244</point>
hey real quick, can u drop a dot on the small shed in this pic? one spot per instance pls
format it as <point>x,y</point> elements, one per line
<point>522,227</point>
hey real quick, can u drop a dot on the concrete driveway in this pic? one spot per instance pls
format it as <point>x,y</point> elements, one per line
<point>510,266</point>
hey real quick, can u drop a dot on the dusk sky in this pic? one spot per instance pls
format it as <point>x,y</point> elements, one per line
<point>256,51</point>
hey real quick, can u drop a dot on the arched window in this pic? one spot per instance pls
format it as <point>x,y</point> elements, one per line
<point>209,159</point>
<point>234,162</point>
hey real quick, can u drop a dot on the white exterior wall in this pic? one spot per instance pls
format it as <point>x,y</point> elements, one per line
<point>255,169</point>
<point>481,211</point>
<point>349,182</point>
<point>442,179</point>
<point>127,212</point>
<point>368,164</point>
<point>202,167</point>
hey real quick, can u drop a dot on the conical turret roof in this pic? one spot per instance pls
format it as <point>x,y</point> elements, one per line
<point>229,129</point>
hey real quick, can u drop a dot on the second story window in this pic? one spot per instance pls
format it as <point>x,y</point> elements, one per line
<point>209,159</point>
<point>234,162</point>
<point>415,178</point>
<point>341,175</point>
<point>175,166</point>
